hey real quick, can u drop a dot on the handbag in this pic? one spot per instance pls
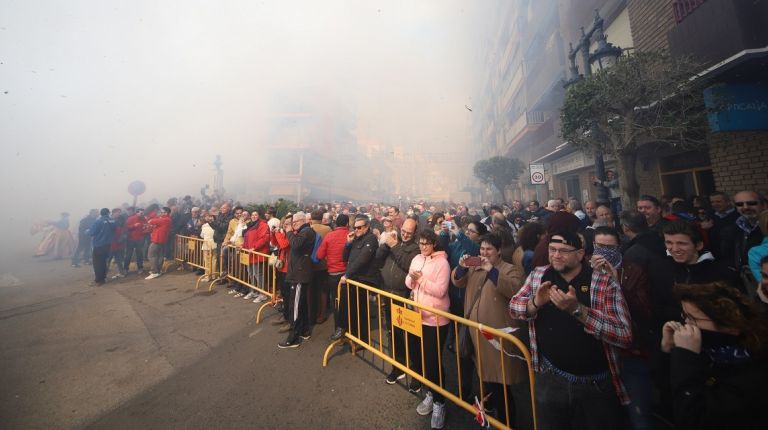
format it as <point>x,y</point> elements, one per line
<point>466,349</point>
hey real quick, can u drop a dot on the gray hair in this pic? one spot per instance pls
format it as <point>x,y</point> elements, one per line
<point>300,216</point>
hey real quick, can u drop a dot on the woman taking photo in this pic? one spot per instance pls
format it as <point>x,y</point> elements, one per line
<point>428,281</point>
<point>717,359</point>
<point>489,287</point>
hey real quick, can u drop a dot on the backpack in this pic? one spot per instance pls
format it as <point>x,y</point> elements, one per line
<point>318,240</point>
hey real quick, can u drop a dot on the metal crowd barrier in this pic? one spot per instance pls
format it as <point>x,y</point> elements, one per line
<point>189,250</point>
<point>260,276</point>
<point>405,315</point>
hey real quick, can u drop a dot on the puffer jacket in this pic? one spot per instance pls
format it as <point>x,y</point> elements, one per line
<point>432,288</point>
<point>361,264</point>
<point>256,238</point>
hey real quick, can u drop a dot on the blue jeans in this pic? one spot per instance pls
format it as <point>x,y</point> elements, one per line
<point>256,275</point>
<point>636,374</point>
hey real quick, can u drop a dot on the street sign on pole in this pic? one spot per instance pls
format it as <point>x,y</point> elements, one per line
<point>537,174</point>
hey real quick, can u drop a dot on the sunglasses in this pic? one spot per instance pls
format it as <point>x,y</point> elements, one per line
<point>749,203</point>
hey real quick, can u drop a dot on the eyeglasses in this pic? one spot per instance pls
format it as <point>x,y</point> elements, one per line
<point>688,317</point>
<point>359,227</point>
<point>472,231</point>
<point>406,232</point>
<point>749,203</point>
<point>562,251</point>
<point>426,244</point>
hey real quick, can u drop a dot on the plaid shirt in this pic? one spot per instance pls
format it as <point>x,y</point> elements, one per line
<point>607,319</point>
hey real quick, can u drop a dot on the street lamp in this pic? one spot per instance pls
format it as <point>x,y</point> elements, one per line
<point>605,56</point>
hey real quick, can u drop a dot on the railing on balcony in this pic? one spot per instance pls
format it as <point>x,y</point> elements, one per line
<point>683,8</point>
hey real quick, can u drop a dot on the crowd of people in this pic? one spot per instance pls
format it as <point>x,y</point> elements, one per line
<point>644,318</point>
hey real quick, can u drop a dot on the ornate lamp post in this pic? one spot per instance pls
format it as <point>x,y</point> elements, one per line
<point>605,56</point>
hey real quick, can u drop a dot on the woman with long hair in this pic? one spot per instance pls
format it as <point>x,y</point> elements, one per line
<point>717,359</point>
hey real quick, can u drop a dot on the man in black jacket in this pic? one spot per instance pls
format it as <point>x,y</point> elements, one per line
<point>220,226</point>
<point>396,256</point>
<point>302,240</point>
<point>360,254</point>
<point>743,234</point>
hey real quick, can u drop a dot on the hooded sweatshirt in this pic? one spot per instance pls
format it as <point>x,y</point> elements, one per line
<point>432,288</point>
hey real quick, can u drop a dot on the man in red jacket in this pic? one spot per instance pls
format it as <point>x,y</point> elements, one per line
<point>332,251</point>
<point>135,244</point>
<point>161,228</point>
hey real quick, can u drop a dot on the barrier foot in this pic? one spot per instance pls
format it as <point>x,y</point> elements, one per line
<point>334,344</point>
<point>213,284</point>
<point>261,309</point>
<point>199,279</point>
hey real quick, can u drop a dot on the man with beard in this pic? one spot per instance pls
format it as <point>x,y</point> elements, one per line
<point>578,320</point>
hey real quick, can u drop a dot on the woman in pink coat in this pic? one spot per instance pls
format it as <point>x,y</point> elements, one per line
<point>428,280</point>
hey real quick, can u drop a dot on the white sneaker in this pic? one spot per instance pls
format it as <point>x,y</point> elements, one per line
<point>425,407</point>
<point>251,295</point>
<point>238,295</point>
<point>116,276</point>
<point>231,291</point>
<point>152,276</point>
<point>438,415</point>
<point>261,298</point>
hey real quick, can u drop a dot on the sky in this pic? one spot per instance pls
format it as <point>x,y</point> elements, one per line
<point>95,94</point>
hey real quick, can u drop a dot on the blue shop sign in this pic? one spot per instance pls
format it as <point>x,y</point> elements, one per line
<point>737,106</point>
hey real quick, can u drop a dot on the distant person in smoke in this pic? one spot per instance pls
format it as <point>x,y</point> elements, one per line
<point>101,232</point>
<point>57,239</point>
<point>83,249</point>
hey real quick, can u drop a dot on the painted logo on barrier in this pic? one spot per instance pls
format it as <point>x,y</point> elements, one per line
<point>407,320</point>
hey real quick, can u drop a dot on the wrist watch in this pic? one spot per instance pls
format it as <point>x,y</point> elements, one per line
<point>577,313</point>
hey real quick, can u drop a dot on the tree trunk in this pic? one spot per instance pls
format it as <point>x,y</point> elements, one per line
<point>501,186</point>
<point>628,179</point>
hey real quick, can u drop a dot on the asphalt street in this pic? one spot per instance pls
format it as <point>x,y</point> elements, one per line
<point>137,354</point>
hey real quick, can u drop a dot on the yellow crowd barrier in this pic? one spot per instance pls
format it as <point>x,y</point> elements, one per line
<point>404,314</point>
<point>189,250</point>
<point>253,269</point>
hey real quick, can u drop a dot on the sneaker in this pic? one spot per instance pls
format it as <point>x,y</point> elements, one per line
<point>306,336</point>
<point>289,343</point>
<point>395,375</point>
<point>251,295</point>
<point>238,295</point>
<point>152,276</point>
<point>261,298</point>
<point>438,415</point>
<point>414,386</point>
<point>425,407</point>
<point>232,291</point>
<point>280,321</point>
<point>338,334</point>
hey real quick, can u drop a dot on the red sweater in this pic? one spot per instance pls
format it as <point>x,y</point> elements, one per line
<point>332,250</point>
<point>280,240</point>
<point>161,229</point>
<point>135,226</point>
<point>256,239</point>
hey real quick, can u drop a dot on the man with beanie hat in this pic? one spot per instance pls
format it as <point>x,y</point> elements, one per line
<point>578,320</point>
